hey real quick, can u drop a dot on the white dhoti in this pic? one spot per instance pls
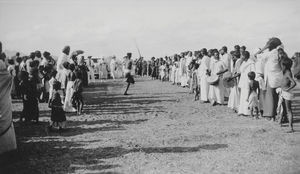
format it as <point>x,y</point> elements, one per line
<point>243,107</point>
<point>184,80</point>
<point>204,88</point>
<point>68,107</point>
<point>216,92</point>
<point>234,98</point>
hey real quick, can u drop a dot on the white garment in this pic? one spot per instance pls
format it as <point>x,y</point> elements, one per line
<point>61,71</point>
<point>245,68</point>
<point>226,59</point>
<point>51,82</point>
<point>60,61</point>
<point>113,68</point>
<point>216,92</point>
<point>68,99</point>
<point>272,70</point>
<point>62,77</point>
<point>183,72</point>
<point>91,75</point>
<point>204,86</point>
<point>234,95</point>
<point>173,71</point>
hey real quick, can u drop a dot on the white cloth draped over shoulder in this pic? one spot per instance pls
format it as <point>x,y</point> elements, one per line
<point>183,72</point>
<point>216,92</point>
<point>61,71</point>
<point>204,86</point>
<point>226,59</point>
<point>272,70</point>
<point>7,132</point>
<point>234,96</point>
<point>245,68</point>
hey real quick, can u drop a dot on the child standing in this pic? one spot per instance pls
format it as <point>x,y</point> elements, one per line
<point>196,82</point>
<point>285,94</point>
<point>77,95</point>
<point>253,94</point>
<point>58,117</point>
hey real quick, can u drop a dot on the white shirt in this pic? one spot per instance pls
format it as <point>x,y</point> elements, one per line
<point>204,65</point>
<point>61,60</point>
<point>226,59</point>
<point>273,73</point>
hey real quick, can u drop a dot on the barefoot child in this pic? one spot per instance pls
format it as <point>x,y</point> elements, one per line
<point>285,93</point>
<point>58,117</point>
<point>253,94</point>
<point>196,81</point>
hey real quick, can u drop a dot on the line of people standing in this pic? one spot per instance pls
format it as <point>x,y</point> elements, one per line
<point>258,84</point>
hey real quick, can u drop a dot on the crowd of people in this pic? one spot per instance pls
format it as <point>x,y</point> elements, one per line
<point>258,85</point>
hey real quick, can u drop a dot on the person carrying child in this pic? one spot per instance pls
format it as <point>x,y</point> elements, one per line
<point>253,94</point>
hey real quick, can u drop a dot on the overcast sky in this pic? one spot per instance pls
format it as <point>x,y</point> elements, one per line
<point>160,27</point>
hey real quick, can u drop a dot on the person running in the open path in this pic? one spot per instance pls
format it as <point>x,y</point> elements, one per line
<point>128,69</point>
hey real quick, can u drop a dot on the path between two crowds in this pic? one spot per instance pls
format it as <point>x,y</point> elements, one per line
<point>156,129</point>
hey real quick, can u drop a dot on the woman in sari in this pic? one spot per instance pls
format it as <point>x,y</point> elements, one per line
<point>7,132</point>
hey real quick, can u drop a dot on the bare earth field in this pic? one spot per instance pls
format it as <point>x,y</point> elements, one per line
<point>156,129</point>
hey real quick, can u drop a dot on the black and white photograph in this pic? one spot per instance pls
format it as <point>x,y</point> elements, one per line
<point>149,87</point>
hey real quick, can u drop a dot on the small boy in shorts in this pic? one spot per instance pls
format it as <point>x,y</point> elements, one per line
<point>253,94</point>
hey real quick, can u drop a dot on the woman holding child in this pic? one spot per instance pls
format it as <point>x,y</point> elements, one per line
<point>246,67</point>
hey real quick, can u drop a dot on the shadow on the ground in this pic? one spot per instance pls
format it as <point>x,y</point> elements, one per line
<point>56,156</point>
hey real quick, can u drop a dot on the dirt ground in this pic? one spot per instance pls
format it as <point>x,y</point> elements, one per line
<point>156,129</point>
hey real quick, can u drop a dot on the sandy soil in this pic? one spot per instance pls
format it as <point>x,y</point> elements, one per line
<point>156,129</point>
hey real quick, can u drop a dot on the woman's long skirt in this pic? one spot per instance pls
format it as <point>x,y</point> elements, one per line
<point>68,107</point>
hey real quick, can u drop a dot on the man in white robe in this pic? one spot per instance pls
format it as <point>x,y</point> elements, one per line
<point>226,59</point>
<point>91,73</point>
<point>112,67</point>
<point>204,66</point>
<point>183,72</point>
<point>216,92</point>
